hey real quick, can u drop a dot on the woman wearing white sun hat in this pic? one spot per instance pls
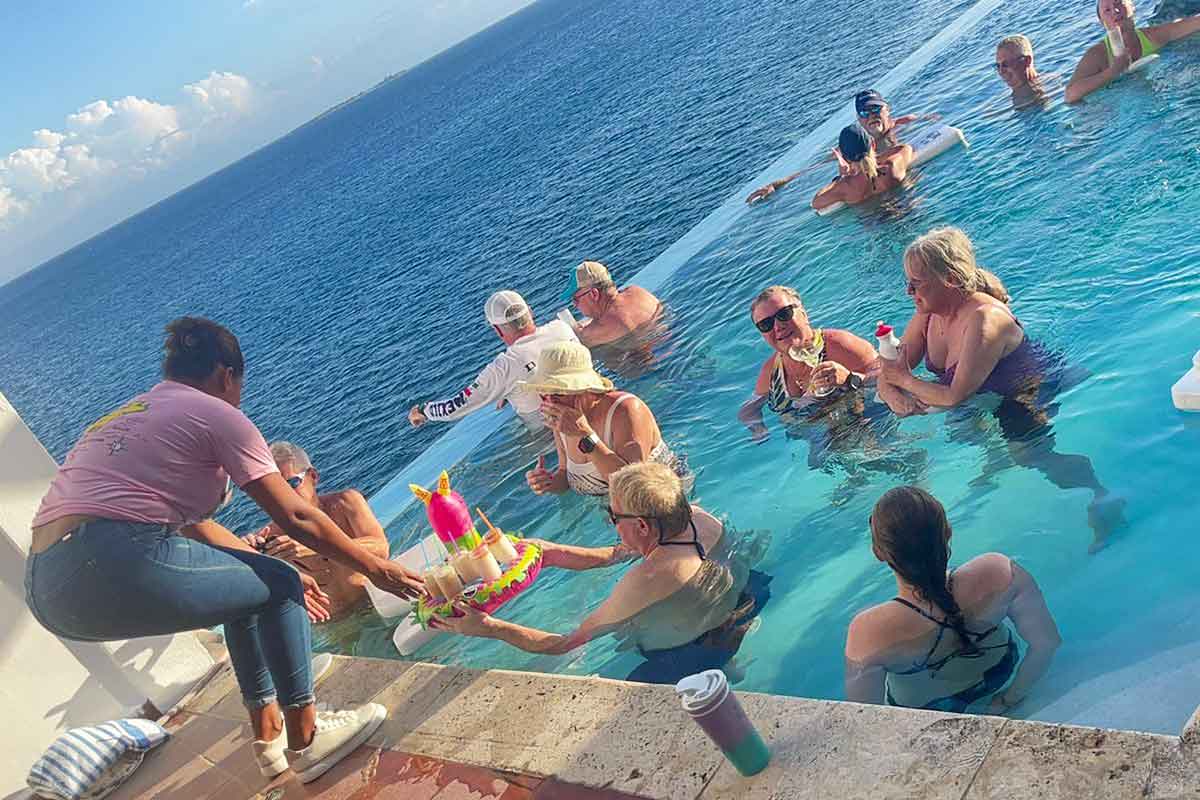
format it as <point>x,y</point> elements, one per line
<point>597,429</point>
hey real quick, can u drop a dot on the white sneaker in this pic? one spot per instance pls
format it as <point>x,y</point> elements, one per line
<point>270,757</point>
<point>337,735</point>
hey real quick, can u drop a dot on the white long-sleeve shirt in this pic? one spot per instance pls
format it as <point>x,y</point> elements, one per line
<point>499,379</point>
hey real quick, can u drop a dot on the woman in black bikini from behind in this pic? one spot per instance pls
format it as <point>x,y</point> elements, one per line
<point>943,642</point>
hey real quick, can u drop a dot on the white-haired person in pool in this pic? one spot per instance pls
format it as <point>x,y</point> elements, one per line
<point>597,429</point>
<point>349,511</point>
<point>686,605</point>
<point>1102,64</point>
<point>943,642</point>
<point>1016,67</point>
<point>973,344</point>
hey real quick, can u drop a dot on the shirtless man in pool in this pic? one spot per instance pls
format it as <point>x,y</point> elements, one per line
<point>1014,63</point>
<point>875,117</point>
<point>349,511</point>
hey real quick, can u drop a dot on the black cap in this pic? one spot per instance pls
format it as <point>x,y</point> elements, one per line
<point>868,98</point>
<point>854,143</point>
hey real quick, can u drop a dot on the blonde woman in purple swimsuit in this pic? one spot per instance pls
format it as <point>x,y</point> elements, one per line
<point>970,340</point>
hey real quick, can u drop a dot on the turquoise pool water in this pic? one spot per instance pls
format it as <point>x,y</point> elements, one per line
<point>1089,216</point>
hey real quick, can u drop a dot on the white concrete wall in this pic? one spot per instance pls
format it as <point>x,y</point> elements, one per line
<point>47,684</point>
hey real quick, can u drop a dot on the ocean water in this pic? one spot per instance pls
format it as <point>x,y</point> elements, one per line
<point>353,257</point>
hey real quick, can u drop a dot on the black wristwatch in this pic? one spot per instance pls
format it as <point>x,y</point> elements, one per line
<point>854,381</point>
<point>588,443</point>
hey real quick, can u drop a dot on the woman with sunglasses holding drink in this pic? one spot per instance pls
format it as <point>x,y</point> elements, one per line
<point>597,429</point>
<point>685,607</point>
<point>814,374</point>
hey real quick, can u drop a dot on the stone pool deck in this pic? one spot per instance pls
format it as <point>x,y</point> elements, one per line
<point>458,734</point>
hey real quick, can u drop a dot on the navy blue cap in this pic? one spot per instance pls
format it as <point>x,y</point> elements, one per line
<point>854,143</point>
<point>868,98</point>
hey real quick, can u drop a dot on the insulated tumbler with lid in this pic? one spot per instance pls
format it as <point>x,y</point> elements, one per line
<point>707,699</point>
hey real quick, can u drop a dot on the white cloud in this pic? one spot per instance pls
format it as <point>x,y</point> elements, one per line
<point>45,138</point>
<point>222,95</point>
<point>8,204</point>
<point>90,115</point>
<point>108,143</point>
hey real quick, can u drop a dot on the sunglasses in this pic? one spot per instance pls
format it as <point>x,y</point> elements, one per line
<point>912,286</point>
<point>873,111</point>
<point>1011,64</point>
<point>784,314</point>
<point>296,480</point>
<point>613,516</point>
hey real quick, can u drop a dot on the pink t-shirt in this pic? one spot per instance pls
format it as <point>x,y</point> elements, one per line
<point>165,457</point>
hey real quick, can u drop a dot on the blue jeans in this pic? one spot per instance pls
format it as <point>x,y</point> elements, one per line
<point>112,580</point>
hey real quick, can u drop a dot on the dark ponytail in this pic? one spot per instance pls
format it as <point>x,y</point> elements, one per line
<point>910,531</point>
<point>196,346</point>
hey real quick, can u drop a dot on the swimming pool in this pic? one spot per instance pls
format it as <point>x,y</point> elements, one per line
<point>1088,214</point>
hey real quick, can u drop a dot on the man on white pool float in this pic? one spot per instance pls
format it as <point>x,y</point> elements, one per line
<point>875,118</point>
<point>511,319</point>
<point>347,508</point>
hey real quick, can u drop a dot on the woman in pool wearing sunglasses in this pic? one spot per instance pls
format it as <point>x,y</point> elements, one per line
<point>685,607</point>
<point>597,430</point>
<point>815,374</point>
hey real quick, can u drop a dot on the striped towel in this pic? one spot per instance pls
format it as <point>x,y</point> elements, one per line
<point>90,762</point>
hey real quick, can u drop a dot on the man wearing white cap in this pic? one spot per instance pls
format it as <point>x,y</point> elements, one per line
<point>512,320</point>
<point>613,313</point>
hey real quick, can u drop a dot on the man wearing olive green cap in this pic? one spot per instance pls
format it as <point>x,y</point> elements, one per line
<point>613,313</point>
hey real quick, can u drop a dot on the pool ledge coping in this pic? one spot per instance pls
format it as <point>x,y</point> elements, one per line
<point>633,738</point>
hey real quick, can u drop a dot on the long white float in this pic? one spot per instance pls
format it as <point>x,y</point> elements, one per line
<point>409,637</point>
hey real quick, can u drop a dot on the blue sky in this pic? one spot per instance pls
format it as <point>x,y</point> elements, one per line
<point>207,82</point>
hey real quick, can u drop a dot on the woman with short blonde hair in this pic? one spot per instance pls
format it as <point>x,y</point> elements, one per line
<point>653,491</point>
<point>684,607</point>
<point>973,344</point>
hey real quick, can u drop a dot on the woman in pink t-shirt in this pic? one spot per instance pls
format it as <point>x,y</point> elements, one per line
<point>124,546</point>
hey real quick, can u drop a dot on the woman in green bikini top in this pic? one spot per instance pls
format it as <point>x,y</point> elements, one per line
<point>1100,66</point>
